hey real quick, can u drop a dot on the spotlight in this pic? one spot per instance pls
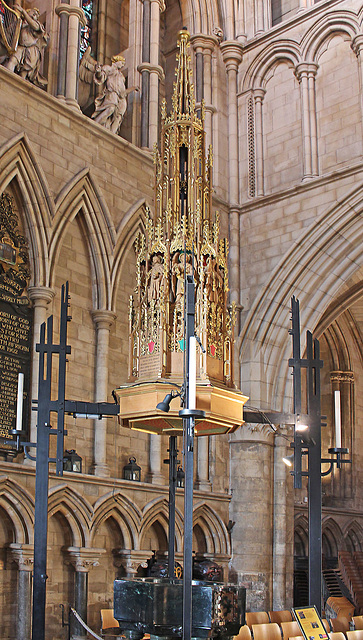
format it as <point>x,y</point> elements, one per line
<point>289,460</point>
<point>165,404</point>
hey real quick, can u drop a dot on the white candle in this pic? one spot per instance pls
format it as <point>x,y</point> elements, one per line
<point>338,420</point>
<point>192,372</point>
<point>19,403</point>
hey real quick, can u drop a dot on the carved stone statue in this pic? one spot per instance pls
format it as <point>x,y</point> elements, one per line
<point>111,105</point>
<point>155,279</point>
<point>33,39</point>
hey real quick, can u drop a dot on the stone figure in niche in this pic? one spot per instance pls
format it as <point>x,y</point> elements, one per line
<point>177,272</point>
<point>33,39</point>
<point>155,279</point>
<point>213,280</point>
<point>111,104</point>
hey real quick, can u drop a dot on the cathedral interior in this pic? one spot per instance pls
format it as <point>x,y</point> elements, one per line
<point>277,86</point>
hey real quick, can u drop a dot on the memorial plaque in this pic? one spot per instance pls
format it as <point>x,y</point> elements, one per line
<point>15,327</point>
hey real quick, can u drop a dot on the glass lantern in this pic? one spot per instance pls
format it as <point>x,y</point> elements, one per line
<point>132,471</point>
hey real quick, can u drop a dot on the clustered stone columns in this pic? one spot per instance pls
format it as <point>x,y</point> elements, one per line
<point>204,46</point>
<point>151,72</point>
<point>23,555</point>
<point>251,472</point>
<point>305,74</point>
<point>103,320</point>
<point>40,297</point>
<point>71,17</point>
<point>232,57</point>
<point>82,560</point>
<point>155,476</point>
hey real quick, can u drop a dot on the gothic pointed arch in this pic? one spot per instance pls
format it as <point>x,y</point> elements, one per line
<point>131,223</point>
<point>332,538</point>
<point>19,507</point>
<point>157,511</point>
<point>75,509</point>
<point>19,165</point>
<point>315,268</point>
<point>213,528</point>
<point>260,70</point>
<point>123,511</point>
<point>353,536</point>
<point>317,38</point>
<point>82,194</point>
<point>301,537</point>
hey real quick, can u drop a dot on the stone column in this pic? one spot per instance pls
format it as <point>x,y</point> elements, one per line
<point>155,70</point>
<point>251,508</point>
<point>204,46</point>
<point>62,51</point>
<point>154,475</point>
<point>82,560</point>
<point>76,18</point>
<point>305,73</point>
<point>40,297</point>
<point>23,555</point>
<point>357,45</point>
<point>262,16</point>
<point>203,483</point>
<point>258,96</point>
<point>232,57</point>
<point>103,320</point>
<point>283,526</point>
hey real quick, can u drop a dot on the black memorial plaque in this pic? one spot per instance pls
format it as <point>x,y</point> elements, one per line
<point>15,325</point>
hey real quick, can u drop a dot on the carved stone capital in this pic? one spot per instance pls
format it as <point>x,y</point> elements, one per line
<point>253,432</point>
<point>161,3</point>
<point>357,44</point>
<point>103,318</point>
<point>70,10</point>
<point>305,70</point>
<point>40,296</point>
<point>151,68</point>
<point>204,42</point>
<point>259,94</point>
<point>342,376</point>
<point>130,560</point>
<point>232,53</point>
<point>82,559</point>
<point>23,555</point>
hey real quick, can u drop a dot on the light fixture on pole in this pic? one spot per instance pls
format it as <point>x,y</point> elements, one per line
<point>165,404</point>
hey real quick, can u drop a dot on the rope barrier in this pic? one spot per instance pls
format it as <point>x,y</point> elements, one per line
<point>84,625</point>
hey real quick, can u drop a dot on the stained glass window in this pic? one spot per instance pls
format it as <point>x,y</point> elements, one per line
<point>86,32</point>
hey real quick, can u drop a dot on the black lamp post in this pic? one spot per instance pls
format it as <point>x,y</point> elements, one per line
<point>132,471</point>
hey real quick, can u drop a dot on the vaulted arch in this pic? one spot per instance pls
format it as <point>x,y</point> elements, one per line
<point>332,537</point>
<point>314,269</point>
<point>353,536</point>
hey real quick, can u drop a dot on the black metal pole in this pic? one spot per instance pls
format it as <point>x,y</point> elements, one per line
<point>172,484</point>
<point>295,362</point>
<point>314,482</point>
<point>188,430</point>
<point>41,485</point>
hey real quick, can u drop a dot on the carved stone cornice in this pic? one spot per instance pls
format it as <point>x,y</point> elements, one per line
<point>70,10</point>
<point>82,559</point>
<point>103,318</point>
<point>23,555</point>
<point>151,68</point>
<point>342,376</point>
